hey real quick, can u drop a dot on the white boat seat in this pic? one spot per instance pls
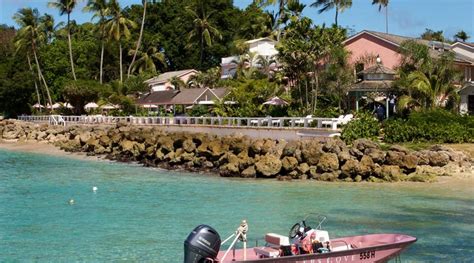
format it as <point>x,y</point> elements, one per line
<point>277,240</point>
<point>321,235</point>
<point>267,252</point>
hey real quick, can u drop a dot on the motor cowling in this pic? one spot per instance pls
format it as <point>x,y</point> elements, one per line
<point>202,245</point>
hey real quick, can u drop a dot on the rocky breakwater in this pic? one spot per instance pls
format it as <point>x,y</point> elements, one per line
<point>238,156</point>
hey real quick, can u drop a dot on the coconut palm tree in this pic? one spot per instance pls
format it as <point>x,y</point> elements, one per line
<point>461,35</point>
<point>28,37</point>
<point>49,27</point>
<point>339,5</point>
<point>384,4</point>
<point>431,87</point>
<point>66,7</point>
<point>147,60</point>
<point>100,10</point>
<point>204,31</point>
<point>265,64</point>
<point>117,28</point>
<point>144,2</point>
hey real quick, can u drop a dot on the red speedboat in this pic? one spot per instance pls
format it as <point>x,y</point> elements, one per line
<point>306,243</point>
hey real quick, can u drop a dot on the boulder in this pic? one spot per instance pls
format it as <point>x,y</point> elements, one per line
<point>189,146</point>
<point>268,146</point>
<point>394,158</point>
<point>377,155</point>
<point>350,168</point>
<point>312,151</point>
<point>289,163</point>
<point>333,145</point>
<point>363,144</point>
<point>366,166</point>
<point>105,140</point>
<point>398,148</point>
<point>391,173</point>
<point>313,171</point>
<point>440,158</point>
<point>166,144</point>
<point>328,162</point>
<point>268,165</point>
<point>410,161</point>
<point>229,170</point>
<point>290,148</point>
<point>344,156</point>
<point>256,147</point>
<point>249,172</point>
<point>303,168</point>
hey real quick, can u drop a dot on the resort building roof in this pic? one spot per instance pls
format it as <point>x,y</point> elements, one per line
<point>183,97</point>
<point>167,76</point>
<point>436,47</point>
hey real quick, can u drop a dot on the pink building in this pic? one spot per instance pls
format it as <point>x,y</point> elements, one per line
<point>385,47</point>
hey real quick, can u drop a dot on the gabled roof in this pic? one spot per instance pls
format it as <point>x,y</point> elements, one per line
<point>167,76</point>
<point>378,69</point>
<point>397,40</point>
<point>163,97</point>
<point>259,40</point>
<point>467,44</point>
<point>190,96</point>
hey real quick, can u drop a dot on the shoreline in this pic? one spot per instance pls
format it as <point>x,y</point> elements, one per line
<point>43,148</point>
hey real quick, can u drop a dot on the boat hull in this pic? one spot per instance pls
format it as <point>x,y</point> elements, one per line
<point>387,248</point>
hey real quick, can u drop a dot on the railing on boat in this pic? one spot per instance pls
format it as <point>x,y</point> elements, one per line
<point>259,122</point>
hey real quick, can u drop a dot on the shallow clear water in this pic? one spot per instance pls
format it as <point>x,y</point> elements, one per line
<point>141,214</point>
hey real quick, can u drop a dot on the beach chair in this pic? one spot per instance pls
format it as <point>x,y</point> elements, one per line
<point>329,123</point>
<point>308,118</point>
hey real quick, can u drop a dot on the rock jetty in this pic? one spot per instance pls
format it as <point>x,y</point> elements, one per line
<point>240,156</point>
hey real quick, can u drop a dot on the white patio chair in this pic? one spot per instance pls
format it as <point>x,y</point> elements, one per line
<point>347,119</point>
<point>301,121</point>
<point>329,123</point>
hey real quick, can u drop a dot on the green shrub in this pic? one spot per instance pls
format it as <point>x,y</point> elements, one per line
<point>438,126</point>
<point>363,126</point>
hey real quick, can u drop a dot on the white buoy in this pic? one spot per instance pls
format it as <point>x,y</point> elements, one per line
<point>94,189</point>
<point>71,201</point>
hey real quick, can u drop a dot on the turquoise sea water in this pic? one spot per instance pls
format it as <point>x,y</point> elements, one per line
<point>140,214</point>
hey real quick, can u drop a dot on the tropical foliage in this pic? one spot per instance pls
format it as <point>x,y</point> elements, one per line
<point>426,82</point>
<point>434,126</point>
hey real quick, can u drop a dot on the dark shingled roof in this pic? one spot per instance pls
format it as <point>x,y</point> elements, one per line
<point>188,96</point>
<point>372,85</point>
<point>378,69</point>
<point>158,97</point>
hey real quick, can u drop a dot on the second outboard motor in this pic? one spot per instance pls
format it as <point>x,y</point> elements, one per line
<point>202,245</point>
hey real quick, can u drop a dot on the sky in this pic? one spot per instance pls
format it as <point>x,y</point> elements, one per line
<point>406,17</point>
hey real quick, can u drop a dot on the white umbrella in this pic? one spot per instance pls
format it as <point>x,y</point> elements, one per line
<point>38,106</point>
<point>275,101</point>
<point>68,105</point>
<point>56,105</point>
<point>109,106</point>
<point>91,105</point>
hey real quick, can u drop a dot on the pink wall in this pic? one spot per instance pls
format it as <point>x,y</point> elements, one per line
<point>367,44</point>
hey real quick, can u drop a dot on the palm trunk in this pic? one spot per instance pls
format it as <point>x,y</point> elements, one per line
<point>40,74</point>
<point>337,12</point>
<point>36,83</point>
<point>386,19</point>
<point>70,47</point>
<point>101,61</point>
<point>121,71</point>
<point>202,52</point>
<point>139,39</point>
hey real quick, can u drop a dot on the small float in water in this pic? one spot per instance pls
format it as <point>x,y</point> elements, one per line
<point>307,242</point>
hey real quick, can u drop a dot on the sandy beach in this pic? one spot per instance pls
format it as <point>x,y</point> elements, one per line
<point>45,148</point>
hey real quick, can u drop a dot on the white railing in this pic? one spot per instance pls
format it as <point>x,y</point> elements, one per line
<point>255,122</point>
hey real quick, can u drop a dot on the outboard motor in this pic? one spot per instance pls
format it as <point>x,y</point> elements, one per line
<point>202,245</point>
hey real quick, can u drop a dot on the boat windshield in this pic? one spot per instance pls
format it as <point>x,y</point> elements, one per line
<point>313,221</point>
<point>310,221</point>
